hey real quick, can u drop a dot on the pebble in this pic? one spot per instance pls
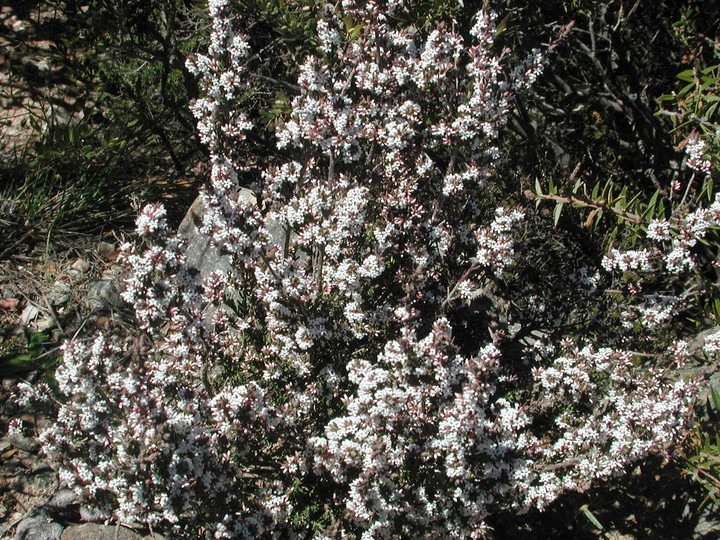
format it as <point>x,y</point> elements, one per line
<point>105,248</point>
<point>47,523</point>
<point>37,527</point>
<point>95,531</point>
<point>102,295</point>
<point>59,293</point>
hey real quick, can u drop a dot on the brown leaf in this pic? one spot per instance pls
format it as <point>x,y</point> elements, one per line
<point>10,304</point>
<point>102,323</point>
<point>81,265</point>
<point>8,454</point>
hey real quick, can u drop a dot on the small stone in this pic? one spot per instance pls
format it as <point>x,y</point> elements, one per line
<point>95,531</point>
<point>102,295</point>
<point>20,442</point>
<point>89,513</point>
<point>57,335</point>
<point>106,248</point>
<point>42,468</point>
<point>59,293</point>
<point>19,25</point>
<point>64,506</point>
<point>44,324</point>
<point>63,498</point>
<point>9,304</point>
<point>8,291</point>
<point>114,273</point>
<point>81,265</point>
<point>38,526</point>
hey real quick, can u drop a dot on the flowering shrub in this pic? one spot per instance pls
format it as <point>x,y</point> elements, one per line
<point>347,377</point>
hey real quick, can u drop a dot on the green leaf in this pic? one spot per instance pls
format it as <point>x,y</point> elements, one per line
<point>716,310</point>
<point>557,212</point>
<point>649,211</point>
<point>38,338</point>
<point>715,397</point>
<point>687,89</point>
<point>633,201</point>
<point>17,364</point>
<point>591,517</point>
<point>579,182</point>
<point>51,380</point>
<point>36,344</point>
<point>688,75</point>
<point>500,28</point>
<point>606,192</point>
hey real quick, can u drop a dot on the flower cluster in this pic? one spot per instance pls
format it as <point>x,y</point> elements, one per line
<point>682,232</point>
<point>695,150</point>
<point>345,369</point>
<point>636,416</point>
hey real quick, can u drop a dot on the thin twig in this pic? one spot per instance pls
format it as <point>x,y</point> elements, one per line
<point>629,216</point>
<point>287,85</point>
<point>53,314</point>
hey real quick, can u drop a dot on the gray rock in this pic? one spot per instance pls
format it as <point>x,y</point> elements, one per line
<point>37,526</point>
<point>61,115</point>
<point>80,266</point>
<point>200,252</point>
<point>8,291</point>
<point>95,531</point>
<point>105,248</point>
<point>103,295</point>
<point>63,498</point>
<point>19,441</point>
<point>45,324</point>
<point>90,513</point>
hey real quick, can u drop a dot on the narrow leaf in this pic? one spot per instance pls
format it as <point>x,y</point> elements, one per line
<point>17,364</point>
<point>688,75</point>
<point>715,397</point>
<point>591,517</point>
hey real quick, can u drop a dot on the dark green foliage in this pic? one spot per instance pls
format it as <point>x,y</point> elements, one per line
<point>132,54</point>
